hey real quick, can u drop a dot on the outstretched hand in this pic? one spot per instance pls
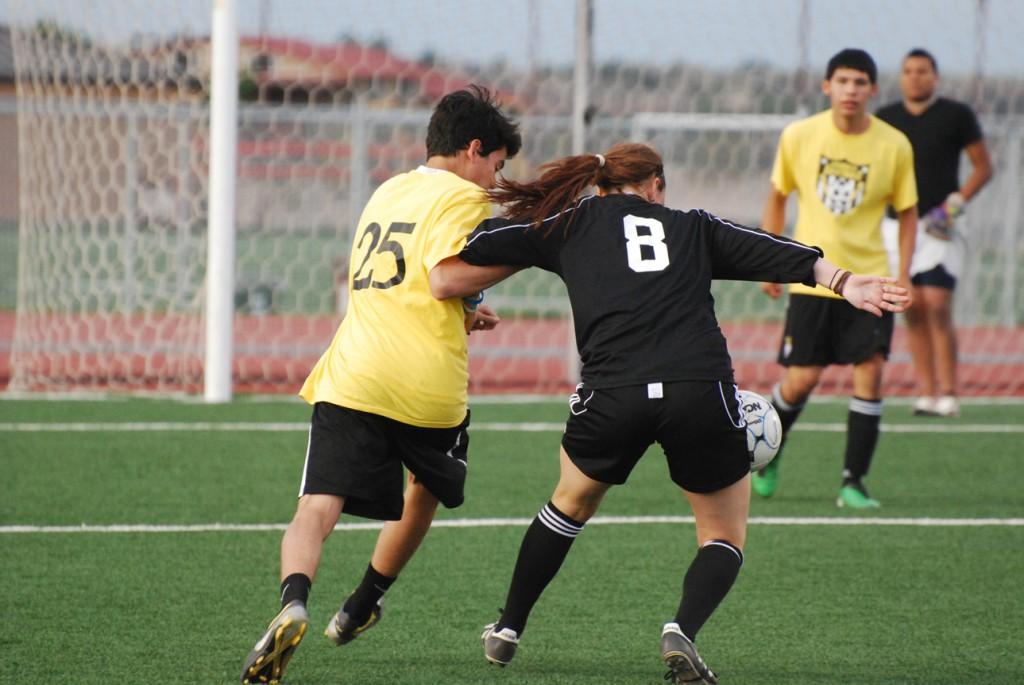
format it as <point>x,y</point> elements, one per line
<point>876,294</point>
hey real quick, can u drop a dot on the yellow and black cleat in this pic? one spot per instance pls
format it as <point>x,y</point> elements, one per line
<point>273,651</point>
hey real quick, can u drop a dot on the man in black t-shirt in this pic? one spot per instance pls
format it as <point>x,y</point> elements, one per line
<point>939,129</point>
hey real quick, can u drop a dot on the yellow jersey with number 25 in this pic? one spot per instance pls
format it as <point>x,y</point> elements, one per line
<point>399,352</point>
<point>843,184</point>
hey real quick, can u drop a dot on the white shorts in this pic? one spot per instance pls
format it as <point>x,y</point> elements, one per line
<point>929,251</point>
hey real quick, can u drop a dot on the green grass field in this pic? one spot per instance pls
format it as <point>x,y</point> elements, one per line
<point>818,601</point>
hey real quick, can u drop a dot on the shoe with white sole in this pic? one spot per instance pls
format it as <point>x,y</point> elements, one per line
<point>499,645</point>
<point>947,406</point>
<point>681,657</point>
<point>924,406</point>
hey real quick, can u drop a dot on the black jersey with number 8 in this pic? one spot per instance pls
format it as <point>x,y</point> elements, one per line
<point>639,280</point>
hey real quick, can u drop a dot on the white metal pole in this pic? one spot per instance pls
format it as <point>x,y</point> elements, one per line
<point>1010,247</point>
<point>130,206</point>
<point>580,104</point>
<point>581,74</point>
<point>980,32</point>
<point>220,268</point>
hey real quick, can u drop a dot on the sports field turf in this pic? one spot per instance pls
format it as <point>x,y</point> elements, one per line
<point>148,591</point>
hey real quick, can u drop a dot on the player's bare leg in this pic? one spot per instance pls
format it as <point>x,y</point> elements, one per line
<point>721,533</point>
<point>301,546</point>
<point>303,541</point>
<point>799,382</point>
<point>722,515</point>
<point>867,378</point>
<point>399,540</point>
<point>544,548</point>
<point>396,545</point>
<point>577,495</point>
<point>942,334</point>
<point>919,340</point>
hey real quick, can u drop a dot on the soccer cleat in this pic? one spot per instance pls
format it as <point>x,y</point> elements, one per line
<point>343,628</point>
<point>924,406</point>
<point>855,496</point>
<point>266,661</point>
<point>766,481</point>
<point>947,406</point>
<point>681,657</point>
<point>499,646</point>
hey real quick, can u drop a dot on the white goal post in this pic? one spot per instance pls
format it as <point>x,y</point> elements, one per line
<point>220,272</point>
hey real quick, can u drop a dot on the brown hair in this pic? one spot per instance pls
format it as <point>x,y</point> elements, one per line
<point>562,181</point>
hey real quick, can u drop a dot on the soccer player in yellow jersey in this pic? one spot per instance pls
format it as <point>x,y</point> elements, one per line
<point>845,166</point>
<point>390,391</point>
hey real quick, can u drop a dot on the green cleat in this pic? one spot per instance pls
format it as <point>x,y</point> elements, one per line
<point>855,496</point>
<point>766,481</point>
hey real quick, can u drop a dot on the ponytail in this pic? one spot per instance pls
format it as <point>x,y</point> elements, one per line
<point>559,185</point>
<point>563,181</point>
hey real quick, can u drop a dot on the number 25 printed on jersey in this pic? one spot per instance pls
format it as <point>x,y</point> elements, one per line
<point>380,246</point>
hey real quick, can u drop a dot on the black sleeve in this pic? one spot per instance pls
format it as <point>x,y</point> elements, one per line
<point>886,114</point>
<point>512,243</point>
<point>970,129</point>
<point>741,253</point>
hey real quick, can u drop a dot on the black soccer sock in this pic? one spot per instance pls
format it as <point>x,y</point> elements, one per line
<point>295,586</point>
<point>545,545</point>
<point>862,429</point>
<point>360,603</point>
<point>788,414</point>
<point>708,580</point>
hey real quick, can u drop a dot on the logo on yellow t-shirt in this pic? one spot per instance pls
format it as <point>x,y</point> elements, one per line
<point>841,184</point>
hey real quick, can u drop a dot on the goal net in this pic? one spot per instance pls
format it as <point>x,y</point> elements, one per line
<point>113,112</point>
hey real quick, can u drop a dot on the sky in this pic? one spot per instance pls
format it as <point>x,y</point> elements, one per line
<point>717,33</point>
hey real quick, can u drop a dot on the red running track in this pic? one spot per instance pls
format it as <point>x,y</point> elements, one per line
<point>274,353</point>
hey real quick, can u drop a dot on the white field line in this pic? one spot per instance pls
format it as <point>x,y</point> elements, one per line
<point>523,522</point>
<point>529,427</point>
<point>1013,400</point>
<point>499,399</point>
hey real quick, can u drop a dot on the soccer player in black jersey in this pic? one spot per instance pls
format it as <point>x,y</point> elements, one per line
<point>939,129</point>
<point>655,363</point>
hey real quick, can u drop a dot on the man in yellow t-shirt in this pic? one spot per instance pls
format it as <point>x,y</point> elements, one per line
<point>845,166</point>
<point>390,391</point>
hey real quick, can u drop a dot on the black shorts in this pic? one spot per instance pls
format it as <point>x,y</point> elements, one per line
<point>936,277</point>
<point>359,456</point>
<point>824,330</point>
<point>698,424</point>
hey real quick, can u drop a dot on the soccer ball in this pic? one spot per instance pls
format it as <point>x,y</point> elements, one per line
<point>764,429</point>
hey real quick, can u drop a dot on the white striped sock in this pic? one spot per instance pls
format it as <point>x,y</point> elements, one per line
<point>557,522</point>
<point>781,404</point>
<point>867,407</point>
<point>722,543</point>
